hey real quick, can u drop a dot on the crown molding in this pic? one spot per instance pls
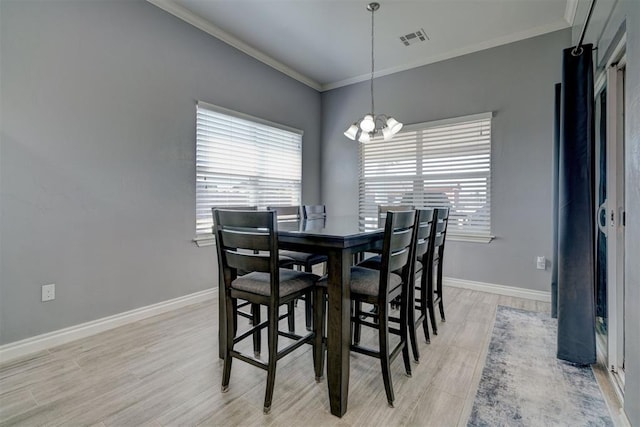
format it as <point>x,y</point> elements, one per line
<point>206,26</point>
<point>532,32</point>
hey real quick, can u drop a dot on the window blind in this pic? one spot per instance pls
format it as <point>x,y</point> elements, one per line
<point>243,161</point>
<point>444,163</point>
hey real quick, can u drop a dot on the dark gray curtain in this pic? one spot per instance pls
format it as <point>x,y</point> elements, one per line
<point>576,226</point>
<point>556,152</point>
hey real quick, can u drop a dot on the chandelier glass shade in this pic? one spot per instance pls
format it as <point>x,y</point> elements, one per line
<point>372,124</point>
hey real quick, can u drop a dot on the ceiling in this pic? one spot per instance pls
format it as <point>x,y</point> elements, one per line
<point>326,43</point>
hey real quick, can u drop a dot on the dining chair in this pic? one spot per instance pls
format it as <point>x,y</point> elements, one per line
<point>248,240</point>
<point>434,290</point>
<point>425,226</point>
<point>284,261</point>
<point>304,260</point>
<point>380,288</point>
<point>425,234</point>
<point>314,211</point>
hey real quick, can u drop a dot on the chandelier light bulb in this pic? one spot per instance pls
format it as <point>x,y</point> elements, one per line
<point>364,137</point>
<point>368,124</point>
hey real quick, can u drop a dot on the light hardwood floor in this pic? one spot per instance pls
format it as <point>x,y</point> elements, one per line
<point>164,371</point>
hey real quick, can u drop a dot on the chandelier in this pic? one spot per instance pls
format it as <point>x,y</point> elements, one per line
<point>373,124</point>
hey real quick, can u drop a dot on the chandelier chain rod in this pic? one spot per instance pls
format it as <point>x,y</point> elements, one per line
<point>372,61</point>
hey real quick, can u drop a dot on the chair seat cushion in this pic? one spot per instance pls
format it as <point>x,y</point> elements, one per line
<point>375,262</point>
<point>303,257</point>
<point>291,281</point>
<point>285,261</point>
<point>366,281</point>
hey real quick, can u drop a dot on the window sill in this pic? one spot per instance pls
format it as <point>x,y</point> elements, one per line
<point>470,238</point>
<point>205,240</point>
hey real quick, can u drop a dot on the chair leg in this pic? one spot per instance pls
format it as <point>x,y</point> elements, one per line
<point>411,323</point>
<point>257,335</point>
<point>308,306</point>
<point>318,343</point>
<point>232,319</point>
<point>439,288</point>
<point>273,356</point>
<point>404,323</point>
<point>424,306</point>
<point>291,318</point>
<point>425,328</point>
<point>432,316</point>
<point>357,327</point>
<point>430,305</point>
<point>385,362</point>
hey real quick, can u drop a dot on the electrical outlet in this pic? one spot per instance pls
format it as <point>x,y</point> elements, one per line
<point>49,292</point>
<point>541,263</point>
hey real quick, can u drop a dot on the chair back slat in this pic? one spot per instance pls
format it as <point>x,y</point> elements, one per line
<point>424,232</point>
<point>399,259</point>
<point>245,219</point>
<point>230,208</point>
<point>314,211</point>
<point>398,246</point>
<point>236,208</point>
<point>246,261</point>
<point>384,209</point>
<point>242,238</point>
<point>286,213</point>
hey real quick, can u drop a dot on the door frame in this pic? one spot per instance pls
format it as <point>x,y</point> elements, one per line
<point>612,77</point>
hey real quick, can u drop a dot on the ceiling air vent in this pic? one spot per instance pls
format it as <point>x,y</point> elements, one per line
<point>415,37</point>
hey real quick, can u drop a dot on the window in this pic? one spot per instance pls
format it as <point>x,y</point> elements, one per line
<point>243,161</point>
<point>443,163</point>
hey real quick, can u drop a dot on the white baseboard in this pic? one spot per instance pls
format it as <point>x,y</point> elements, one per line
<point>62,336</point>
<point>510,291</point>
<point>51,339</point>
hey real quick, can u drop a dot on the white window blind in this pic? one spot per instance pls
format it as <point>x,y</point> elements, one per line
<point>444,163</point>
<point>243,161</point>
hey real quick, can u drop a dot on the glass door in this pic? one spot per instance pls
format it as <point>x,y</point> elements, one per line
<point>610,218</point>
<point>615,218</point>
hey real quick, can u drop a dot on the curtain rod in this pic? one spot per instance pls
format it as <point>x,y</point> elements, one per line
<point>577,51</point>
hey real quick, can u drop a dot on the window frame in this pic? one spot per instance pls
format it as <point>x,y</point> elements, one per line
<point>364,208</point>
<point>207,238</point>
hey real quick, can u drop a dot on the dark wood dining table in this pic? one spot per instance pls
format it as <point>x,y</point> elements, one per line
<point>340,238</point>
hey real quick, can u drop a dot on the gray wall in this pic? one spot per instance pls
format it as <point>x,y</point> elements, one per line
<point>97,169</point>
<point>632,249</point>
<point>516,82</point>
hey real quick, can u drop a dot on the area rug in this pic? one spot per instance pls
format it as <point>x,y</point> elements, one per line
<point>524,384</point>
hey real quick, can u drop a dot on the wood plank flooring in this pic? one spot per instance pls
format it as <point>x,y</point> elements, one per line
<point>164,371</point>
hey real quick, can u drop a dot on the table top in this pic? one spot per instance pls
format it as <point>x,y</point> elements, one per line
<point>333,231</point>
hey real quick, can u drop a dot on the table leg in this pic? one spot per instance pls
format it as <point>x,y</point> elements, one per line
<point>338,330</point>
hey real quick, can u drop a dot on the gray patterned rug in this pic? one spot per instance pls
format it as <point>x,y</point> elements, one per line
<point>524,384</point>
